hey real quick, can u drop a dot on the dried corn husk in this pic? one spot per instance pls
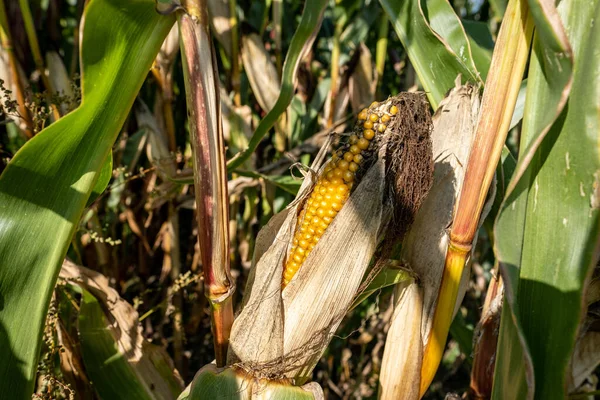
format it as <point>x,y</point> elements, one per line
<point>485,340</point>
<point>261,71</point>
<point>281,334</point>
<point>585,358</point>
<point>401,366</point>
<point>424,248</point>
<point>157,149</point>
<point>586,354</point>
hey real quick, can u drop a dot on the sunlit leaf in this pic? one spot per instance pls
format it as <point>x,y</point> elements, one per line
<point>301,43</point>
<point>435,60</point>
<point>549,226</point>
<point>45,187</point>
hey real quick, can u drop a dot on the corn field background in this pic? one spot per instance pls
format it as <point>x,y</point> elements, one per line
<point>137,238</point>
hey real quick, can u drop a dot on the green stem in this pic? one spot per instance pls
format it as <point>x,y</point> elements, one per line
<point>335,70</point>
<point>37,55</point>
<point>235,58</point>
<point>381,48</point>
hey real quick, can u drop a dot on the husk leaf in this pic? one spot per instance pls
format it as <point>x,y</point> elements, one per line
<point>425,245</point>
<point>230,383</point>
<point>401,366</point>
<point>424,249</point>
<point>318,297</point>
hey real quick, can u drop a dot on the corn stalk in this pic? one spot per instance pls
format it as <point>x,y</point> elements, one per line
<point>210,177</point>
<point>498,103</point>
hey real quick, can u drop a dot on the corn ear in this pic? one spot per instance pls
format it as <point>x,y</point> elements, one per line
<point>282,332</point>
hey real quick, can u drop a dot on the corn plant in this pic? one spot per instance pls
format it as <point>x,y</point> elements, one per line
<point>436,203</point>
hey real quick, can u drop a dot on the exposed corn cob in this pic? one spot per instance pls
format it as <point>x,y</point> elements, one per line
<point>334,185</point>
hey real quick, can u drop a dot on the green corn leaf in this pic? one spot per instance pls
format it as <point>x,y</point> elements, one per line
<point>444,21</point>
<point>482,44</point>
<point>312,16</point>
<point>45,187</point>
<point>103,179</point>
<point>549,225</point>
<point>102,360</point>
<point>438,50</point>
<point>386,277</point>
<point>229,384</point>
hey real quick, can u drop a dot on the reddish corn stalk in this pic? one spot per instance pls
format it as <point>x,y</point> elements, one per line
<point>210,175</point>
<point>502,86</point>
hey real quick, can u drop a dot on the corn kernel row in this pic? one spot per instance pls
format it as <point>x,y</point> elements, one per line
<point>333,187</point>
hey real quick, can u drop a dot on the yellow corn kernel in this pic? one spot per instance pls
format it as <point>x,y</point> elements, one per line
<point>363,114</point>
<point>363,143</point>
<point>369,133</point>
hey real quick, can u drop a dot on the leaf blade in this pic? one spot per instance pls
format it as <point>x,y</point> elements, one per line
<point>547,229</point>
<point>310,22</point>
<point>44,189</point>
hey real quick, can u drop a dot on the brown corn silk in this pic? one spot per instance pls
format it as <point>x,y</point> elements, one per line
<point>282,332</point>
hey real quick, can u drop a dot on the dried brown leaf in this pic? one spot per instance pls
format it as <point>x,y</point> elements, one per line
<point>59,79</point>
<point>261,71</point>
<point>220,22</point>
